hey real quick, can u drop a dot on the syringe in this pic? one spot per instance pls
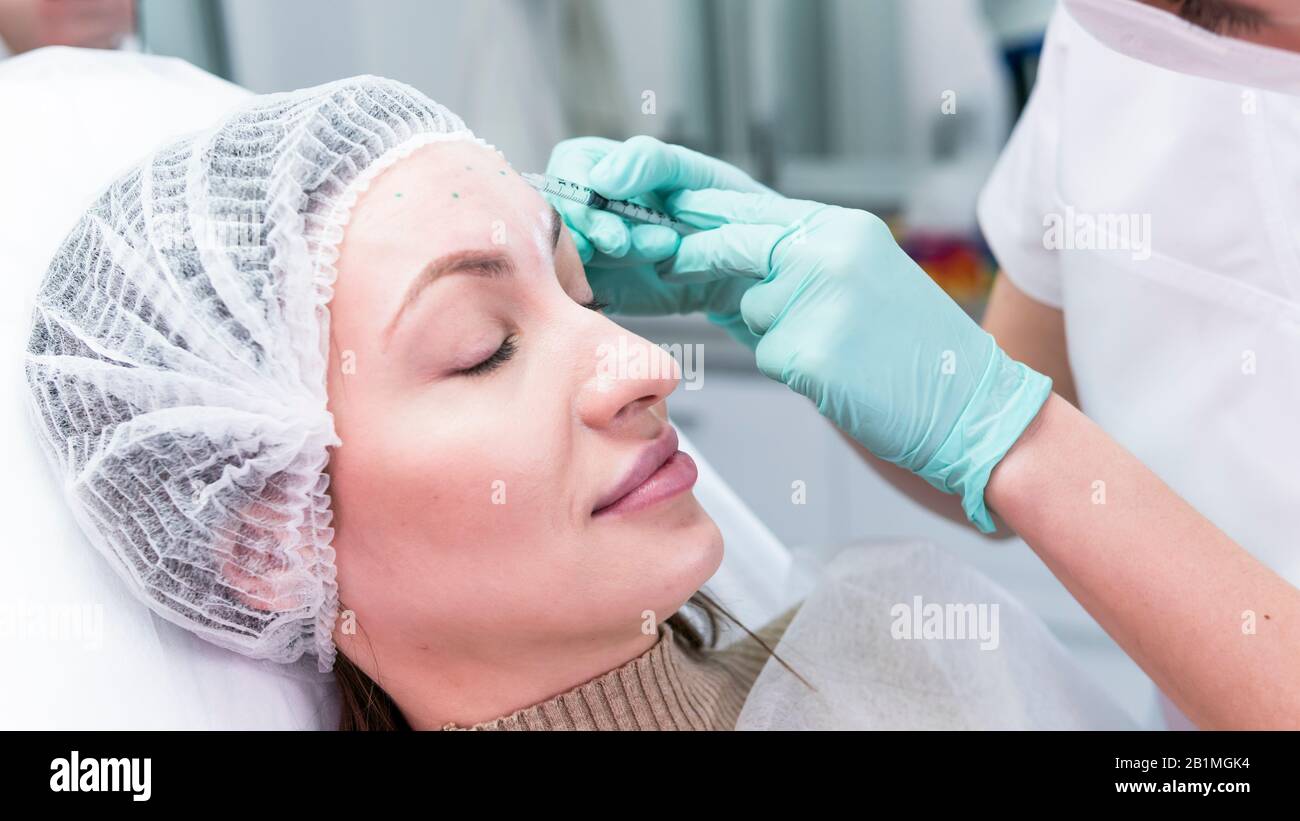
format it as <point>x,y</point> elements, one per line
<point>582,195</point>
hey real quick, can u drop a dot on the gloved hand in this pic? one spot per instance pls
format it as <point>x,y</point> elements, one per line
<point>624,261</point>
<point>847,319</point>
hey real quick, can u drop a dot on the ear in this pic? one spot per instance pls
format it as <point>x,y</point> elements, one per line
<point>263,563</point>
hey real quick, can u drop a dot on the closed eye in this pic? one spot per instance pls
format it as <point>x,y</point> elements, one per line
<point>498,358</point>
<point>510,347</point>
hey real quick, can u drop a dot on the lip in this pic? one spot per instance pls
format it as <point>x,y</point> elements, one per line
<point>660,471</point>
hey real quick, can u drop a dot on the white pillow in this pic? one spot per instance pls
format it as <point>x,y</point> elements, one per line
<point>81,652</point>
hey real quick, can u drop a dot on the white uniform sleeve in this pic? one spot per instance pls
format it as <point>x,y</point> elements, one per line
<point>1020,193</point>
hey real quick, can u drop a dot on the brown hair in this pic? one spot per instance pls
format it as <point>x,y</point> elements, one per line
<point>365,706</point>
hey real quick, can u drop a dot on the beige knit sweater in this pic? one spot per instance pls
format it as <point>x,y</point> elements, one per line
<point>668,687</point>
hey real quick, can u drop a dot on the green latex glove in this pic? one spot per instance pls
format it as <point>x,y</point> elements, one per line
<point>847,319</point>
<point>624,261</point>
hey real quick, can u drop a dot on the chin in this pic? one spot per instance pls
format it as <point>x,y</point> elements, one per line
<point>696,537</point>
<point>678,539</point>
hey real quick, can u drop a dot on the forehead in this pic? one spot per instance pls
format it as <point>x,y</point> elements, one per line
<point>443,198</point>
<point>457,191</point>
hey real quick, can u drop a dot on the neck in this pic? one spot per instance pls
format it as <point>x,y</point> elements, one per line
<point>1277,24</point>
<point>464,689</point>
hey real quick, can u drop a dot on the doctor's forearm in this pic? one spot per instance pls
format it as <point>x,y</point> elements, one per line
<point>1217,630</point>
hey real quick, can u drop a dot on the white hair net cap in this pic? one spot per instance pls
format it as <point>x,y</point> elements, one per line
<point>178,354</point>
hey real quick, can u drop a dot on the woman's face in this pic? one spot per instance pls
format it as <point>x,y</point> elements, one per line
<point>485,417</point>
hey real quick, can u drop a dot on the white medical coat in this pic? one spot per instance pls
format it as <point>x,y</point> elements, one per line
<point>1187,350</point>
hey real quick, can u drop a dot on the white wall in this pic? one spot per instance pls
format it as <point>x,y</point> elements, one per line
<point>480,59</point>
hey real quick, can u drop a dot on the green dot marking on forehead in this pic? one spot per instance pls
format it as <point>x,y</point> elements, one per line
<point>398,195</point>
<point>455,196</point>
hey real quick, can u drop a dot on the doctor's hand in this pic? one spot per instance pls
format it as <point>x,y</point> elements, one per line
<point>624,262</point>
<point>847,319</point>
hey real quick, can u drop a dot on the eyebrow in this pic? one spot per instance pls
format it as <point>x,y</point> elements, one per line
<point>491,264</point>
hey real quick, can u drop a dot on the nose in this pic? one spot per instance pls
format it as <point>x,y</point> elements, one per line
<point>628,374</point>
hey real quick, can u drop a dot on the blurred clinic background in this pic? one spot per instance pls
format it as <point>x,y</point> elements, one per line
<point>896,106</point>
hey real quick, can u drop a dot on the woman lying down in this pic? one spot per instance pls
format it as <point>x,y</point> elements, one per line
<point>324,382</point>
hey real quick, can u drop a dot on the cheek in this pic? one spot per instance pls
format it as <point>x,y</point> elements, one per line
<point>454,523</point>
<point>480,481</point>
